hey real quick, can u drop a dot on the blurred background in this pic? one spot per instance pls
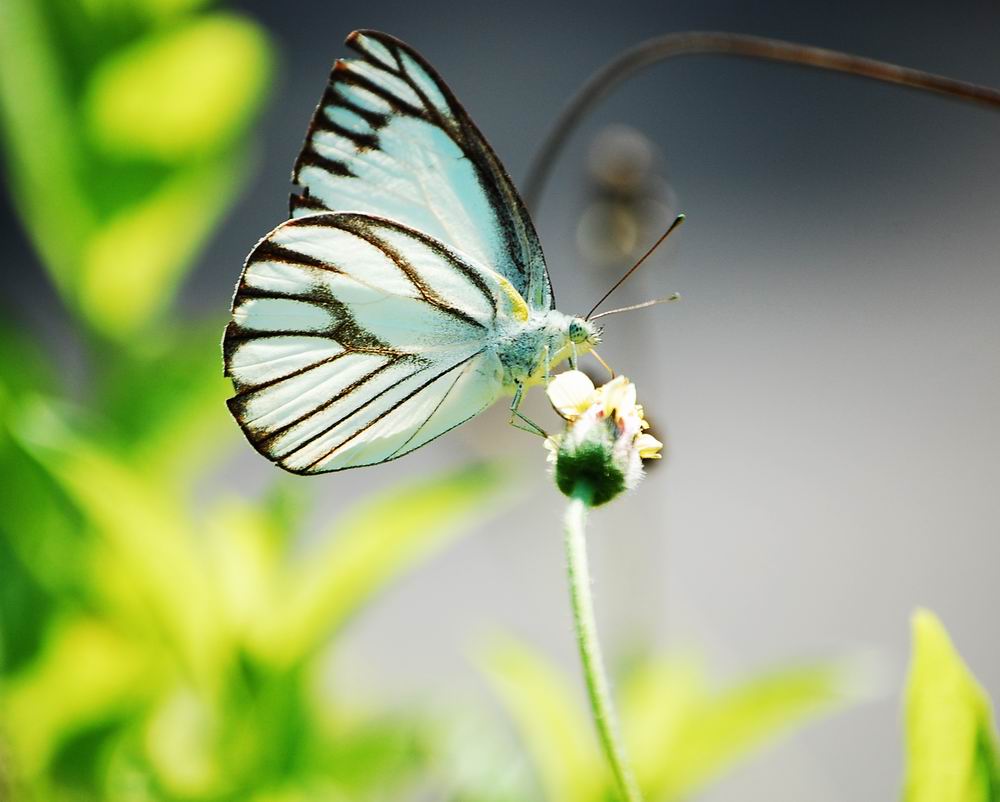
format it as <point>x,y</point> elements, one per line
<point>827,389</point>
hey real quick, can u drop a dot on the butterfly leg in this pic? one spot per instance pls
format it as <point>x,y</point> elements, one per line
<point>519,421</point>
<point>606,366</point>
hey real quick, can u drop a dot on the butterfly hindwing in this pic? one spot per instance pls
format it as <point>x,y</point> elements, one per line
<point>390,139</point>
<point>355,340</point>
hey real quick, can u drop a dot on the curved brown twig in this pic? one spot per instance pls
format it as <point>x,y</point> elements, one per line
<point>658,49</point>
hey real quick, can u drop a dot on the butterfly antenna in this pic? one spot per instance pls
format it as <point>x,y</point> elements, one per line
<point>637,265</point>
<point>675,297</point>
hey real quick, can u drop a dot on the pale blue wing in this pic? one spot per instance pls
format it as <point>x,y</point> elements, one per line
<point>355,340</point>
<point>390,139</point>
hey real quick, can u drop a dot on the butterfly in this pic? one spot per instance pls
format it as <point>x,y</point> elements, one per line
<point>407,293</point>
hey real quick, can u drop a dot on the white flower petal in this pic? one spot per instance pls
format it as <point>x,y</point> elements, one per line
<point>571,393</point>
<point>618,396</point>
<point>648,446</point>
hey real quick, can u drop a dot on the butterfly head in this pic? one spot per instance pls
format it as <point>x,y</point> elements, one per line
<point>583,332</point>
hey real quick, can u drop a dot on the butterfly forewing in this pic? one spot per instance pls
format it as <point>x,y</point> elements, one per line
<point>389,139</point>
<point>355,340</point>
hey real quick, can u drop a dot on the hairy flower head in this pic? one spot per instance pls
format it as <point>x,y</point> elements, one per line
<point>605,440</point>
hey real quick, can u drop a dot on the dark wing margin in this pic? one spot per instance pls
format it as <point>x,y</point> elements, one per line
<point>384,141</point>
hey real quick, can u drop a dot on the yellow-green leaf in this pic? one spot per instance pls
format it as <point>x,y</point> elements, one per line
<point>951,739</point>
<point>553,723</point>
<point>680,731</point>
<point>133,263</point>
<point>244,561</point>
<point>164,401</point>
<point>370,546</point>
<point>683,733</point>
<point>165,9</point>
<point>43,147</point>
<point>87,671</point>
<point>181,738</point>
<point>181,93</point>
<point>149,549</point>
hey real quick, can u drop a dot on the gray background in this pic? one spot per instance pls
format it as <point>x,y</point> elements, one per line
<point>828,387</point>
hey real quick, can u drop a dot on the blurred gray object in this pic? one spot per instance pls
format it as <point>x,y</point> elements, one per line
<point>631,201</point>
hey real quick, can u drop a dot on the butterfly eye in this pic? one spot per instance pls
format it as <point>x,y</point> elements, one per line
<point>578,331</point>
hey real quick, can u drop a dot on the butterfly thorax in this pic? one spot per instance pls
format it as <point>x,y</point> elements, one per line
<point>529,350</point>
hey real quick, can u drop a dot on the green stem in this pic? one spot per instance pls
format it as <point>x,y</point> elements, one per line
<point>598,688</point>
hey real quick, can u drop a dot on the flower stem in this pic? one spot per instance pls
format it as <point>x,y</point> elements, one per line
<point>598,688</point>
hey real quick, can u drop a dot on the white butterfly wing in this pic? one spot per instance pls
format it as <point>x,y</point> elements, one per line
<point>356,339</point>
<point>390,139</point>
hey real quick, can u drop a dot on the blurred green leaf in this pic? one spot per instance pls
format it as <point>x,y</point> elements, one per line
<point>157,11</point>
<point>951,740</point>
<point>681,732</point>
<point>164,403</point>
<point>126,143</point>
<point>40,546</point>
<point>180,93</point>
<point>44,150</point>
<point>368,548</point>
<point>41,552</point>
<point>166,8</point>
<point>132,264</point>
<point>246,544</point>
<point>245,561</point>
<point>285,506</point>
<point>146,539</point>
<point>23,604</point>
<point>551,720</point>
<point>181,743</point>
<point>26,369</point>
<point>39,523</point>
<point>212,721</point>
<point>44,705</point>
<point>375,757</point>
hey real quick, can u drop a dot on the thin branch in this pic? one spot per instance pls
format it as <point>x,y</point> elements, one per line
<point>688,43</point>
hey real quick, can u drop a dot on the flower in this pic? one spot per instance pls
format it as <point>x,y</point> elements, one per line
<point>606,436</point>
